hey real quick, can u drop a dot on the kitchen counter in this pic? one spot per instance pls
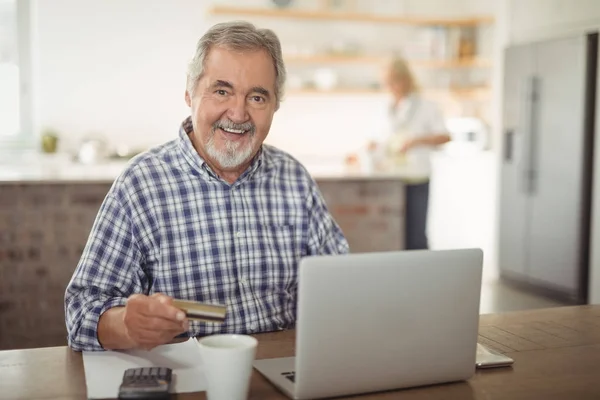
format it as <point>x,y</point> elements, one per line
<point>48,206</point>
<point>57,169</point>
<point>46,214</point>
<point>47,211</point>
<point>71,173</point>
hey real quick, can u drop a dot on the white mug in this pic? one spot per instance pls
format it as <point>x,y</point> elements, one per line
<point>227,361</point>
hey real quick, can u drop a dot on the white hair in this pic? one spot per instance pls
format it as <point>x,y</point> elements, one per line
<point>238,35</point>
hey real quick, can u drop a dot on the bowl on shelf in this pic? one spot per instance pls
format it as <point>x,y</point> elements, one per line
<point>325,79</point>
<point>282,3</point>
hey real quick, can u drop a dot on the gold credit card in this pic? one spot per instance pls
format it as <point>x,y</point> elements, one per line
<point>198,311</point>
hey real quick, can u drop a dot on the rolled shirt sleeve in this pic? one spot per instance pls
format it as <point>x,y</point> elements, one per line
<point>108,272</point>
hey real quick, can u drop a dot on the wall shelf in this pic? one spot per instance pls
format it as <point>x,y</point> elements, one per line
<point>342,59</point>
<point>458,63</point>
<point>459,34</point>
<point>475,92</point>
<point>334,92</point>
<point>348,16</point>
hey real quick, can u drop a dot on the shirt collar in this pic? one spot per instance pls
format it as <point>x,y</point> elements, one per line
<point>199,164</point>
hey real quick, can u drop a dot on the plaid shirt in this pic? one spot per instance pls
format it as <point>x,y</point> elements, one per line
<point>169,224</point>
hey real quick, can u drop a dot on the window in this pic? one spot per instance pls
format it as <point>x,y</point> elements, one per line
<point>15,74</point>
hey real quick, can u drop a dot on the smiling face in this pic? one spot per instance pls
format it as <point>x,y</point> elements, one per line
<point>232,107</point>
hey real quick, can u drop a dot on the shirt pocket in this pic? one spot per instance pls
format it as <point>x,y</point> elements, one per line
<point>276,247</point>
<point>278,241</point>
<point>279,249</point>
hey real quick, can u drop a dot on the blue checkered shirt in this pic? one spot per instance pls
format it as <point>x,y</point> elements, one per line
<point>170,225</point>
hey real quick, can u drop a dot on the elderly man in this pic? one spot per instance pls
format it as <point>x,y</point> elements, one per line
<point>214,215</point>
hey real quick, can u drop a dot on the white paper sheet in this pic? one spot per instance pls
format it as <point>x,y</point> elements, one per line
<point>104,369</point>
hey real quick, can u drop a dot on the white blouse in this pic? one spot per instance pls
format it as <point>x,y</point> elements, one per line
<point>414,117</point>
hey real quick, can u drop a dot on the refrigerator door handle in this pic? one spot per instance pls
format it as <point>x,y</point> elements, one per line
<point>509,145</point>
<point>534,135</point>
<point>528,173</point>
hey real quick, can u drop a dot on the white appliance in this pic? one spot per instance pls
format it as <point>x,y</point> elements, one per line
<point>384,320</point>
<point>545,186</point>
<point>468,135</point>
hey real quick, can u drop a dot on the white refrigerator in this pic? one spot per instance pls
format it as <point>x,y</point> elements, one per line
<point>546,168</point>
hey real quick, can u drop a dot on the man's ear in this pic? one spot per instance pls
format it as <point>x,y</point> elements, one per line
<point>188,99</point>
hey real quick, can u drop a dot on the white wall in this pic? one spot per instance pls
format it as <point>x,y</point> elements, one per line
<point>117,68</point>
<point>531,20</point>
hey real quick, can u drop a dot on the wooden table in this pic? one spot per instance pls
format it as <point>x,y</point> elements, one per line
<point>556,352</point>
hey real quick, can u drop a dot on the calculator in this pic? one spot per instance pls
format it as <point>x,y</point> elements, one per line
<point>146,383</point>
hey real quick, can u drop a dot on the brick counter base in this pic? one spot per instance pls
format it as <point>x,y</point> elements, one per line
<point>44,227</point>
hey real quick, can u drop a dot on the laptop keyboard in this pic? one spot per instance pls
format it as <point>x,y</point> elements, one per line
<point>290,375</point>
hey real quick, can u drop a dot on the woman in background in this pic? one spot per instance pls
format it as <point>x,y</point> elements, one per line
<point>416,127</point>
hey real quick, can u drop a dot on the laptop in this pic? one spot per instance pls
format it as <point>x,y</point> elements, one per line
<point>381,321</point>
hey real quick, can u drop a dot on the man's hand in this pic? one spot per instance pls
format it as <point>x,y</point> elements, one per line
<point>145,322</point>
<point>152,321</point>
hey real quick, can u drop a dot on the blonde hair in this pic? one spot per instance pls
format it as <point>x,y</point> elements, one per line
<point>400,71</point>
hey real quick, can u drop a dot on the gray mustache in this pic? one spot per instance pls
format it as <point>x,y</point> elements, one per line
<point>246,126</point>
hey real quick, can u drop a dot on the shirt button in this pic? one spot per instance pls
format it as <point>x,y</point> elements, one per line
<point>253,326</point>
<point>244,281</point>
<point>238,234</point>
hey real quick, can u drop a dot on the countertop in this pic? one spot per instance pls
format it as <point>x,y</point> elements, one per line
<point>58,169</point>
